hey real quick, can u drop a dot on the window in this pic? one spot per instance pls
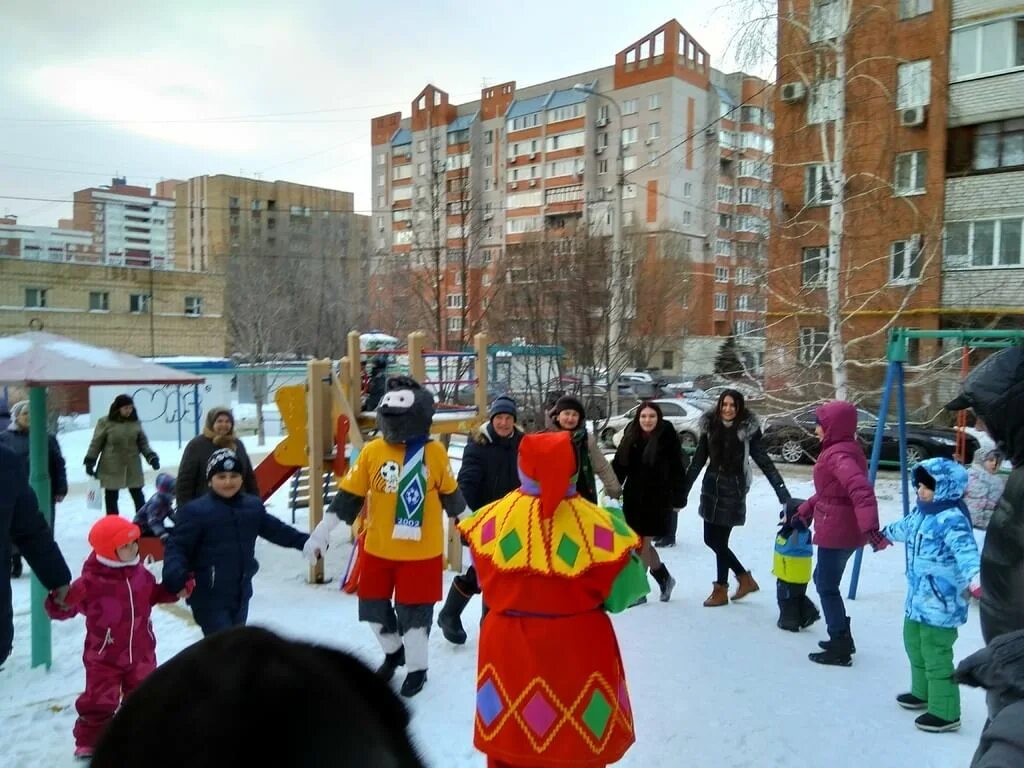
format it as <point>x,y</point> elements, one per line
<point>380,201</point>
<point>750,115</point>
<point>999,145</point>
<point>488,137</point>
<point>402,172</point>
<point>990,243</point>
<point>744,276</point>
<point>748,328</point>
<point>687,219</point>
<point>381,160</point>
<point>724,193</point>
<point>602,166</point>
<point>823,104</point>
<point>913,84</point>
<point>909,178</point>
<point>99,301</point>
<point>194,305</point>
<point>814,266</point>
<point>687,189</point>
<point>564,113</point>
<point>724,221</point>
<point>721,274</point>
<point>752,196</point>
<point>570,194</point>
<point>826,20</point>
<point>667,360</point>
<point>524,122</point>
<point>380,182</point>
<point>814,346</point>
<point>817,190</point>
<point>905,264</point>
<point>138,303</point>
<point>421,145</point>
<point>421,169</point>
<point>454,324</point>
<point>521,224</point>
<point>629,136</point>
<point>629,163</point>
<point>627,218</point>
<point>911,8</point>
<point>985,48</point>
<point>402,193</point>
<point>564,141</point>
<point>727,138</point>
<point>743,303</point>
<point>653,159</point>
<point>654,102</point>
<point>454,301</point>
<point>36,297</point>
<point>721,302</point>
<point>752,224</point>
<point>723,247</point>
<point>458,137</point>
<point>629,107</point>
<point>654,130</point>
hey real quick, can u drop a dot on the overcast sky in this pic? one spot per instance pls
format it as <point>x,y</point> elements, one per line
<point>283,90</point>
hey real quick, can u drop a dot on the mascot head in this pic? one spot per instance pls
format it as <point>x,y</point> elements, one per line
<point>406,410</point>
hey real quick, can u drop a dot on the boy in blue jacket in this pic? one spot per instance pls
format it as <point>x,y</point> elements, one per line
<point>214,537</point>
<point>792,568</point>
<point>942,573</point>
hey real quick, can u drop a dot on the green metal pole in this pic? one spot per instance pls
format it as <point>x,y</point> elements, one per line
<point>39,477</point>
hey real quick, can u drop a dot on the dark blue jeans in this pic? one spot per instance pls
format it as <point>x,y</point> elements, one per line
<point>827,575</point>
<point>214,618</point>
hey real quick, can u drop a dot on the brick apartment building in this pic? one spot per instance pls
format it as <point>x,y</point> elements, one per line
<point>458,189</point>
<point>932,115</point>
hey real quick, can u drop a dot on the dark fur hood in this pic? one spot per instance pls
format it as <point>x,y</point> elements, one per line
<point>745,430</point>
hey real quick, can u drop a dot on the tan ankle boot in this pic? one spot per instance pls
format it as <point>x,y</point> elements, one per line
<point>719,596</point>
<point>747,585</point>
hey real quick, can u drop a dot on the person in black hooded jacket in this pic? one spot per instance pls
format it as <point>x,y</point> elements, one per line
<point>999,669</point>
<point>995,392</point>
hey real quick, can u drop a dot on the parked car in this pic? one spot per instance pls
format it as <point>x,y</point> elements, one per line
<point>791,437</point>
<point>682,415</point>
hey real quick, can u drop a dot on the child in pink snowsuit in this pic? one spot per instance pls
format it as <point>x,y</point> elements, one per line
<point>116,594</point>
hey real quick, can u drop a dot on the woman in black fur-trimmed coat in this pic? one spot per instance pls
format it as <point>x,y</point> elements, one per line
<point>730,438</point>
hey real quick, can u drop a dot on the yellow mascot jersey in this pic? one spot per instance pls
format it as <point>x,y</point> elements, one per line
<point>375,476</point>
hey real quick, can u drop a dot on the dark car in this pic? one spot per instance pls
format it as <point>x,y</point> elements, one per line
<point>791,437</point>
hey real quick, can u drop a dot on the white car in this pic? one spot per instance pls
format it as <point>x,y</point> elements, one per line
<point>682,415</point>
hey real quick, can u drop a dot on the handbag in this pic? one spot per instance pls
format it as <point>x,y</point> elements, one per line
<point>631,584</point>
<point>94,497</point>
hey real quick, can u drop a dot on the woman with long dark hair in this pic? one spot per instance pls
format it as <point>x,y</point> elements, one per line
<point>651,467</point>
<point>730,438</point>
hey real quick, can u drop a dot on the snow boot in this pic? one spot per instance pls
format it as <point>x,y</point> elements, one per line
<point>719,595</point>
<point>809,613</point>
<point>665,582</point>
<point>450,617</point>
<point>413,683</point>
<point>16,567</point>
<point>934,724</point>
<point>789,615</point>
<point>746,586</point>
<point>910,701</point>
<point>826,644</point>
<point>838,653</point>
<point>392,661</point>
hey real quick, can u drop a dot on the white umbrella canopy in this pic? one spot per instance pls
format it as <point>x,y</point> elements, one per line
<point>38,359</point>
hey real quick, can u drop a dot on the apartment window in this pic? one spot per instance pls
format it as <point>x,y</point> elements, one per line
<point>909,178</point>
<point>723,247</point>
<point>454,301</point>
<point>743,303</point>
<point>564,141</point>
<point>194,305</point>
<point>138,303</point>
<point>814,346</point>
<point>36,297</point>
<point>232,202</point>
<point>687,189</point>
<point>458,137</point>
<point>823,104</point>
<point>654,102</point>
<point>654,130</point>
<point>911,8</point>
<point>751,196</point>
<point>725,193</point>
<point>488,137</point>
<point>914,84</point>
<point>721,274</point>
<point>629,136</point>
<point>750,115</point>
<point>402,172</point>
<point>382,159</point>
<point>817,190</point>
<point>999,145</point>
<point>744,276</point>
<point>629,106</point>
<point>485,279</point>
<point>727,138</point>
<point>488,161</point>
<point>987,243</point>
<point>986,48</point>
<point>814,266</point>
<point>454,324</point>
<point>627,218</point>
<point>602,166</point>
<point>747,328</point>
<point>721,302</point>
<point>629,163</point>
<point>905,261</point>
<point>724,221</point>
<point>559,114</point>
<point>421,169</point>
<point>524,122</point>
<point>380,201</point>
<point>826,20</point>
<point>687,219</point>
<point>99,301</point>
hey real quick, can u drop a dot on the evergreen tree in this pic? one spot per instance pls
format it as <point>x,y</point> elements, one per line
<point>728,364</point>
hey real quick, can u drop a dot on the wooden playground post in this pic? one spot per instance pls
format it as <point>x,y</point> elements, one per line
<point>353,383</point>
<point>480,373</point>
<point>319,434</point>
<point>417,363</point>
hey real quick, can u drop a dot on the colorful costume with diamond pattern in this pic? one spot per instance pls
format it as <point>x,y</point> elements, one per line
<point>551,688</point>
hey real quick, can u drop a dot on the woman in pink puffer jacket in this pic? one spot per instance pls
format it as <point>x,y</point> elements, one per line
<point>845,516</point>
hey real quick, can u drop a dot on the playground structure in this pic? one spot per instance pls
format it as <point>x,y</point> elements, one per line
<point>323,417</point>
<point>897,356</point>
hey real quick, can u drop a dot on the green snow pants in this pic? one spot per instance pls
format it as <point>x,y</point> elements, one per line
<point>930,650</point>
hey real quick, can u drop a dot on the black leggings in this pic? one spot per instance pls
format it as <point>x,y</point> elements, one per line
<point>110,497</point>
<point>716,537</point>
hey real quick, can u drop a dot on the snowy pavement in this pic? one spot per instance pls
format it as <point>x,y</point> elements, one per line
<point>710,687</point>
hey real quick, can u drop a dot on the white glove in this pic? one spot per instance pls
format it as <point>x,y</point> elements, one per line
<point>319,540</point>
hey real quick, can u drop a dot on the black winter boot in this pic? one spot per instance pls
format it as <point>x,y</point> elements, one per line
<point>838,653</point>
<point>826,644</point>
<point>413,683</point>
<point>392,661</point>
<point>789,615</point>
<point>809,614</point>
<point>450,617</point>
<point>665,582</point>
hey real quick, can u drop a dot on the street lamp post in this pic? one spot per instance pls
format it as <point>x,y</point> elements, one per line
<point>618,292</point>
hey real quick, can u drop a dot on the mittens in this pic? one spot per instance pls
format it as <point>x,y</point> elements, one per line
<point>154,461</point>
<point>878,541</point>
<point>311,550</point>
<point>90,467</point>
<point>319,540</point>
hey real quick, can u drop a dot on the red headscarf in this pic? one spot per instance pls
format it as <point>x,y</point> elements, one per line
<point>549,460</point>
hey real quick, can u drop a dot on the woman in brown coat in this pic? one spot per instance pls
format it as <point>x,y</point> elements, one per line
<point>119,444</point>
<point>219,432</point>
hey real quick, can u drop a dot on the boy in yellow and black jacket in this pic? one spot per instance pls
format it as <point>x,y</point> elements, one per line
<point>792,566</point>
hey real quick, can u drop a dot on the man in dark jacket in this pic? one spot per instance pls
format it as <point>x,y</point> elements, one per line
<point>999,669</point>
<point>15,438</point>
<point>21,524</point>
<point>489,471</point>
<point>995,391</point>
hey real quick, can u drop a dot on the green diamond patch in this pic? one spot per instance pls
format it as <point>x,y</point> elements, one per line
<point>510,545</point>
<point>568,550</point>
<point>596,715</point>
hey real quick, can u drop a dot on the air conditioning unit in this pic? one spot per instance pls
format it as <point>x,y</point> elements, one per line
<point>512,161</point>
<point>913,117</point>
<point>488,216</point>
<point>601,122</point>
<point>599,151</point>
<point>710,133</point>
<point>533,155</point>
<point>793,92</point>
<point>533,182</point>
<point>515,185</point>
<point>648,141</point>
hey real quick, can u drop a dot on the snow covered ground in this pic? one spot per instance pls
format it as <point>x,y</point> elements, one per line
<point>710,687</point>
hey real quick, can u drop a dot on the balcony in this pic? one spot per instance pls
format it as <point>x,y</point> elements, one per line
<point>984,99</point>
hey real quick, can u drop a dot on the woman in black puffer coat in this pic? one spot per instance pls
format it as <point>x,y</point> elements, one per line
<point>730,438</point>
<point>651,467</point>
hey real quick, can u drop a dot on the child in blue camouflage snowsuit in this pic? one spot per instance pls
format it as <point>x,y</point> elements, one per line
<point>942,573</point>
<point>792,569</point>
<point>151,516</point>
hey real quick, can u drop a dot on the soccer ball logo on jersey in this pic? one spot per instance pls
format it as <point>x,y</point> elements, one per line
<point>387,477</point>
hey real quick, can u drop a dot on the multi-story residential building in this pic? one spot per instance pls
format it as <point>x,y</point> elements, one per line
<point>460,192</point>
<point>22,241</point>
<point>131,226</point>
<point>917,220</point>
